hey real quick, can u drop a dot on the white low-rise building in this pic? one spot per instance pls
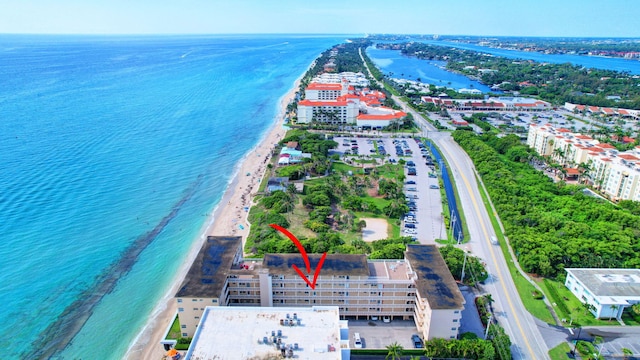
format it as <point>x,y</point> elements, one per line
<point>230,333</point>
<point>609,291</point>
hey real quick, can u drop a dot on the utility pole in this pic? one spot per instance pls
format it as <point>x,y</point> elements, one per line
<point>464,263</point>
<point>486,332</point>
<point>453,223</point>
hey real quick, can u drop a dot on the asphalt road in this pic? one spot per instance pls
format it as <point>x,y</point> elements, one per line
<point>508,308</point>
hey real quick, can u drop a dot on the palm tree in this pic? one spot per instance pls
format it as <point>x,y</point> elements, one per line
<point>613,308</point>
<point>588,307</point>
<point>626,353</point>
<point>394,351</point>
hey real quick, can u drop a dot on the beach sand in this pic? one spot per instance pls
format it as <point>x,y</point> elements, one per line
<point>225,220</point>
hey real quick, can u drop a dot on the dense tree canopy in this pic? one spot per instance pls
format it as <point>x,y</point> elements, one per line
<point>551,226</point>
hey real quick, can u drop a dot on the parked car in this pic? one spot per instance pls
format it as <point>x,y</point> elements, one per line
<point>410,182</point>
<point>434,187</point>
<point>357,341</point>
<point>410,226</point>
<point>412,189</point>
<point>417,341</point>
<point>386,319</point>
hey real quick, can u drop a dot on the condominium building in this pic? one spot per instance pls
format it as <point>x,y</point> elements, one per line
<point>616,174</point>
<point>354,79</point>
<point>420,287</point>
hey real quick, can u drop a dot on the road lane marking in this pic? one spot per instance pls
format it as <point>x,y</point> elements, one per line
<point>504,288</point>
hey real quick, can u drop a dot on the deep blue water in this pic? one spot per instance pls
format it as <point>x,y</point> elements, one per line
<point>596,62</point>
<point>428,71</point>
<point>101,138</point>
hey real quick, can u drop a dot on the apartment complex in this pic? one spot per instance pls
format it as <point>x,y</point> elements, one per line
<point>616,174</point>
<point>419,287</point>
<point>609,291</point>
<point>276,333</point>
<point>341,103</point>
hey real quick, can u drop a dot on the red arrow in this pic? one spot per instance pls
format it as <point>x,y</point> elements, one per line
<point>305,257</point>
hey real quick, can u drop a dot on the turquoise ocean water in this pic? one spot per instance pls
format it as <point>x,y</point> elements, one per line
<point>113,150</point>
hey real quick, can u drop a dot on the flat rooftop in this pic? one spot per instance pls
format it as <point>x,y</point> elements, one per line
<point>609,282</point>
<point>209,270</point>
<point>334,264</point>
<point>435,282</point>
<point>227,333</point>
<point>390,269</point>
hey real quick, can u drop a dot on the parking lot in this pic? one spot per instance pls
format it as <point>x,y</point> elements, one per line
<point>425,220</point>
<point>377,334</point>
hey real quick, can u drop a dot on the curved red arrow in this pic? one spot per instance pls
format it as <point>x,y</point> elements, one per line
<point>305,257</point>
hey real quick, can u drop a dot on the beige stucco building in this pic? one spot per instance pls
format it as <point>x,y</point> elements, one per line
<point>420,287</point>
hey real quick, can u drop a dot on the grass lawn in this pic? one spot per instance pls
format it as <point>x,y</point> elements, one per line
<point>567,306</point>
<point>630,318</point>
<point>344,168</point>
<point>174,332</point>
<point>536,307</point>
<point>560,352</point>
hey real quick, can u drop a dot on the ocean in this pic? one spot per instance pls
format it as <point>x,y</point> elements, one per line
<point>113,152</point>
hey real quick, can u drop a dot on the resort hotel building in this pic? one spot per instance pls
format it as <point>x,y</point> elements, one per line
<point>609,291</point>
<point>616,174</point>
<point>419,287</point>
<point>342,104</point>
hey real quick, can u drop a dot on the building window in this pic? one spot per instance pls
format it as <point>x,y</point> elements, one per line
<point>180,309</point>
<point>179,300</point>
<point>214,301</point>
<point>185,334</point>
<point>194,299</point>
<point>454,329</point>
<point>457,312</point>
<point>183,326</point>
<point>455,320</point>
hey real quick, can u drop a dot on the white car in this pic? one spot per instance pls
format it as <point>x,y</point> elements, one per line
<point>386,319</point>
<point>357,341</point>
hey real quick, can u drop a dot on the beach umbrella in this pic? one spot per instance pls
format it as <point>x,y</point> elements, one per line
<point>172,352</point>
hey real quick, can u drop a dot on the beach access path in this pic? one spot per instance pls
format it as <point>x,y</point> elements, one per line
<point>224,221</point>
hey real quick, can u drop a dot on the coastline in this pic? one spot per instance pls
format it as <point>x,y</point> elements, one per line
<point>228,214</point>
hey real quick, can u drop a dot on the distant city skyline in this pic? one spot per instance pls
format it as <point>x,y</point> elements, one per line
<point>542,18</point>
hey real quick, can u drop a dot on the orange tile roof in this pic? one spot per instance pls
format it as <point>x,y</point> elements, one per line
<point>572,171</point>
<point>319,86</point>
<point>580,107</point>
<point>306,102</point>
<point>396,115</point>
<point>623,112</point>
<point>563,130</point>
<point>607,110</point>
<point>584,137</point>
<point>628,157</point>
<point>605,146</point>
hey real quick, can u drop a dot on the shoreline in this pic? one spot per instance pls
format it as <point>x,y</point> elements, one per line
<point>228,213</point>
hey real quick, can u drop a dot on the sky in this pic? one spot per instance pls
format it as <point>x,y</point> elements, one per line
<point>571,18</point>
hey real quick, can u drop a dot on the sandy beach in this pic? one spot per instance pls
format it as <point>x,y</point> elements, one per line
<point>225,220</point>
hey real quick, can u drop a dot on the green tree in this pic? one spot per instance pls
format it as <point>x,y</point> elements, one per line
<point>394,351</point>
